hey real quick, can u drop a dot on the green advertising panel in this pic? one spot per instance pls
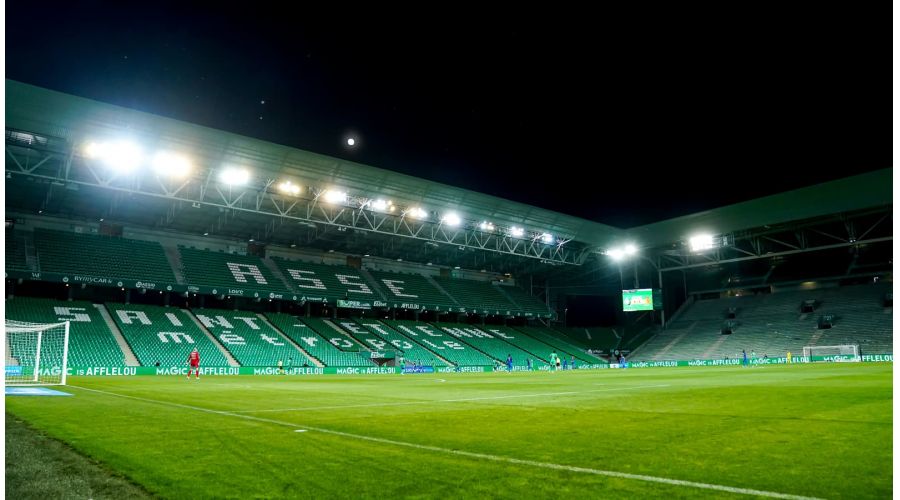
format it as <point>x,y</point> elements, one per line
<point>637,300</point>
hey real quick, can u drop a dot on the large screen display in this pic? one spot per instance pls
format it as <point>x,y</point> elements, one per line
<point>637,300</point>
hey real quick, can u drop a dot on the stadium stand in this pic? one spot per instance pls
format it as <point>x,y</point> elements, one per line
<point>316,344</point>
<point>15,251</point>
<point>560,342</point>
<point>248,338</point>
<point>326,281</point>
<point>412,350</point>
<point>528,304</point>
<point>476,296</point>
<point>442,344</point>
<point>535,348</point>
<point>101,256</point>
<point>772,324</point>
<point>408,288</point>
<point>490,344</point>
<point>90,341</point>
<point>233,274</point>
<point>163,334</point>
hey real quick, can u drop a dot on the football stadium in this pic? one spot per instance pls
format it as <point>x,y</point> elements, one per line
<point>365,333</point>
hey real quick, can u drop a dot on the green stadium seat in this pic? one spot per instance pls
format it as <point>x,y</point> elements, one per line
<point>321,281</point>
<point>248,338</point>
<point>442,344</point>
<point>319,345</point>
<point>402,289</point>
<point>90,341</point>
<point>491,344</point>
<point>230,274</point>
<point>102,256</point>
<point>163,334</point>
<point>379,336</point>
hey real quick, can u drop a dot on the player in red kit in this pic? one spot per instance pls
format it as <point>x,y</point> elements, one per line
<point>194,362</point>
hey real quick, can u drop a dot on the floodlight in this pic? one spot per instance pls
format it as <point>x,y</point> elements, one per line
<point>289,187</point>
<point>701,242</point>
<point>451,219</point>
<point>417,213</point>
<point>630,249</point>
<point>351,141</point>
<point>123,156</point>
<point>486,226</point>
<point>379,205</point>
<point>616,253</point>
<point>518,232</point>
<point>171,164</point>
<point>335,196</point>
<point>235,176</point>
<point>547,238</point>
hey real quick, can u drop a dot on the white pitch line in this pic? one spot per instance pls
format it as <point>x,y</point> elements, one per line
<point>432,401</point>
<point>469,454</point>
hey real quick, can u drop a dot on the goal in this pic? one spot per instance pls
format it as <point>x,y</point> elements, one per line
<point>36,353</point>
<point>846,352</point>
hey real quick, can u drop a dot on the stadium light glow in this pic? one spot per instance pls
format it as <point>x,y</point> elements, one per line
<point>616,254</point>
<point>630,249</point>
<point>518,232</point>
<point>123,156</point>
<point>335,196</point>
<point>380,205</point>
<point>486,226</point>
<point>417,213</point>
<point>701,242</point>
<point>547,238</point>
<point>288,187</point>
<point>451,219</point>
<point>171,164</point>
<point>234,176</point>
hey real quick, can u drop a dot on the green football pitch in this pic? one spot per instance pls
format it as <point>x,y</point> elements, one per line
<point>822,430</point>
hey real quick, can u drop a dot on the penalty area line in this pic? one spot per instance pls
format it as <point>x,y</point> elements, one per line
<point>469,454</point>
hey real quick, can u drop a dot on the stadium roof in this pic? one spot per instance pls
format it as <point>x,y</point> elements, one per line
<point>850,194</point>
<point>79,120</point>
<point>72,121</point>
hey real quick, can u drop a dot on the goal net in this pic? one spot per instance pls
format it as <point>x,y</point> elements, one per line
<point>846,352</point>
<point>36,353</point>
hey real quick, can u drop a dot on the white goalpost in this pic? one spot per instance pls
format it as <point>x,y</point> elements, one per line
<point>845,352</point>
<point>36,353</point>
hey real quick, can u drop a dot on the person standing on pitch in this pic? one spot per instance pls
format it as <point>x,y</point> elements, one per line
<point>509,363</point>
<point>194,363</point>
<point>744,352</point>
<point>789,357</point>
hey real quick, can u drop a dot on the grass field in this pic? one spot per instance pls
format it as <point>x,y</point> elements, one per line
<point>821,430</point>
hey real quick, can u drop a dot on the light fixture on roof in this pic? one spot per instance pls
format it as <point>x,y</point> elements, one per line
<point>451,219</point>
<point>630,249</point>
<point>517,232</point>
<point>547,238</point>
<point>335,196</point>
<point>171,165</point>
<point>616,253</point>
<point>379,204</point>
<point>288,187</point>
<point>234,176</point>
<point>417,213</point>
<point>486,226</point>
<point>701,242</point>
<point>122,156</point>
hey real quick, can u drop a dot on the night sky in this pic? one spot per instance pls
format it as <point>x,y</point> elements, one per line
<point>620,117</point>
